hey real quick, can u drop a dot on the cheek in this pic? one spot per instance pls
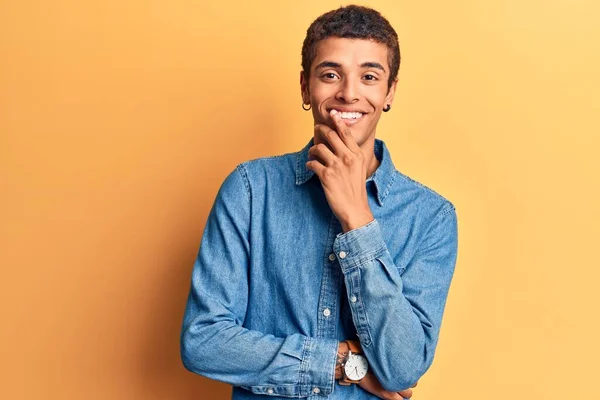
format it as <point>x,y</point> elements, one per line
<point>322,92</point>
<point>373,121</point>
<point>377,97</point>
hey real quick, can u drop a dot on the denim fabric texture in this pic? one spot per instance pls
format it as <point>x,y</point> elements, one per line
<point>276,283</point>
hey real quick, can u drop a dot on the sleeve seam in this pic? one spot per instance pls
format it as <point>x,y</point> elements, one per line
<point>244,173</point>
<point>441,214</point>
<point>366,341</point>
<point>448,209</point>
<point>445,211</point>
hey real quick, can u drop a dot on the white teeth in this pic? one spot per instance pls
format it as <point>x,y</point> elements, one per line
<point>350,115</point>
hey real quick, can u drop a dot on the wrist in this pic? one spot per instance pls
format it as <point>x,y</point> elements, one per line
<point>356,221</point>
<point>342,354</point>
<point>352,364</point>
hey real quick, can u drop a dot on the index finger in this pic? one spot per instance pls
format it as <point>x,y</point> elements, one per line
<point>331,138</point>
<point>344,131</point>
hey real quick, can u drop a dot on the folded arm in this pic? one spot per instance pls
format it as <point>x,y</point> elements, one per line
<point>398,314</point>
<point>213,341</point>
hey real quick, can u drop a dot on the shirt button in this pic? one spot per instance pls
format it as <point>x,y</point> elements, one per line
<point>270,391</point>
<point>332,257</point>
<point>353,298</point>
<point>327,312</point>
<point>342,254</point>
<point>316,390</point>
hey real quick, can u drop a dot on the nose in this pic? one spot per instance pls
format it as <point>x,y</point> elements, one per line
<point>348,92</point>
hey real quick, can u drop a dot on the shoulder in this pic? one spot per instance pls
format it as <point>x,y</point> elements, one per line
<point>268,162</point>
<point>424,196</point>
<point>249,178</point>
<point>260,170</point>
<point>259,177</point>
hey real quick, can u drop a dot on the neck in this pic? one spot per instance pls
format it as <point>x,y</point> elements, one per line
<point>368,149</point>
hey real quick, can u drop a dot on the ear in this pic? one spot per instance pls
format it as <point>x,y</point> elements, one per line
<point>304,88</point>
<point>389,98</point>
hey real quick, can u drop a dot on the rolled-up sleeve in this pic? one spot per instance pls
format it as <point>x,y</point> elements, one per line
<point>398,314</point>
<point>214,342</point>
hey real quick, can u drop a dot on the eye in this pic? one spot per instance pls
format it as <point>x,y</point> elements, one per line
<point>370,77</point>
<point>329,75</point>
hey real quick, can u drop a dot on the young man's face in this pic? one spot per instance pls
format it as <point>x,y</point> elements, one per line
<point>349,75</point>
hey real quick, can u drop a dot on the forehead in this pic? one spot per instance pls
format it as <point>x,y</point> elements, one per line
<point>350,52</point>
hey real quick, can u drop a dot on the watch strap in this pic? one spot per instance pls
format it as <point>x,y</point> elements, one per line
<point>354,346</point>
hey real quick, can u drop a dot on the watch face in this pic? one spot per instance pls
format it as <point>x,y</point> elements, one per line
<point>356,367</point>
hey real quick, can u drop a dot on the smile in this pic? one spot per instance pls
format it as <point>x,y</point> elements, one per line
<point>349,117</point>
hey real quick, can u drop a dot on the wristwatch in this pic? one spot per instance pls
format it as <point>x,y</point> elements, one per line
<point>355,366</point>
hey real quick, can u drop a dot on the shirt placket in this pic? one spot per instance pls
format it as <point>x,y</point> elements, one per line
<point>328,312</point>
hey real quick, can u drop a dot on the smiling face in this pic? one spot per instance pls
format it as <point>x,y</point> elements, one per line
<point>350,76</point>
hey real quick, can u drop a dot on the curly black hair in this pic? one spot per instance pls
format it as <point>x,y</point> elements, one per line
<point>353,22</point>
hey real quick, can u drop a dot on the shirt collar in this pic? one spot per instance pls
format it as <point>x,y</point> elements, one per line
<point>383,177</point>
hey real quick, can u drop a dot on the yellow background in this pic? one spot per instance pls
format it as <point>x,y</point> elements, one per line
<point>120,119</point>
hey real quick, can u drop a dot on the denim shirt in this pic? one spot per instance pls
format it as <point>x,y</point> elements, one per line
<point>277,284</point>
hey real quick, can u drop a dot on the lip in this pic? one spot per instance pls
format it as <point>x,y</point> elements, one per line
<point>348,122</point>
<point>345,109</point>
<point>352,121</point>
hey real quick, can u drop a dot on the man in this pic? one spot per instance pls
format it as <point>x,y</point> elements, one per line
<point>324,273</point>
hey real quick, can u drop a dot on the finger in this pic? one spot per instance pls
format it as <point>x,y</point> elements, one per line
<point>392,396</point>
<point>345,132</point>
<point>331,138</point>
<point>406,393</point>
<point>316,166</point>
<point>322,153</point>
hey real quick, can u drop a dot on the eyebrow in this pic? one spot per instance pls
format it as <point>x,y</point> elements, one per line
<point>331,64</point>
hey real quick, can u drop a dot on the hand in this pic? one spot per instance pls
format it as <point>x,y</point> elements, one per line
<point>340,164</point>
<point>372,385</point>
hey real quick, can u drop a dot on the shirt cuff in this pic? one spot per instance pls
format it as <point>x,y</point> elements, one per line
<point>359,245</point>
<point>317,374</point>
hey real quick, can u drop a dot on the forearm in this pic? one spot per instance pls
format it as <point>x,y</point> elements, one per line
<point>398,316</point>
<point>216,347</point>
<point>214,341</point>
<point>391,335</point>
